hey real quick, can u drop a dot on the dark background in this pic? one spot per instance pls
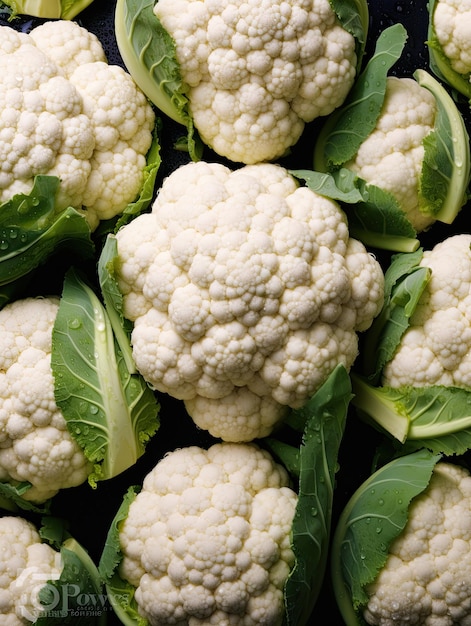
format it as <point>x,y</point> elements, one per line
<point>90,511</point>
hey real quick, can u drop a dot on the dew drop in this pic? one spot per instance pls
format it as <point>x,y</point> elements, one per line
<point>74,323</point>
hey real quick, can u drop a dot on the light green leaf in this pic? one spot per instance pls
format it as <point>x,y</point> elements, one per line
<point>31,230</point>
<point>12,498</point>
<point>110,411</point>
<point>113,299</point>
<point>374,516</point>
<point>120,592</point>
<point>439,62</point>
<point>324,418</point>
<point>374,215</point>
<point>341,186</point>
<point>79,580</point>
<point>48,9</point>
<point>445,172</point>
<point>148,51</point>
<point>405,282</point>
<point>350,126</point>
<point>71,8</point>
<point>435,416</point>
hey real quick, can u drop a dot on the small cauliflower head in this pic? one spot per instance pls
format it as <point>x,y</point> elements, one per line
<point>35,445</point>
<point>452,26</point>
<point>208,538</point>
<point>436,348</point>
<point>391,157</point>
<point>26,565</point>
<point>245,291</point>
<point>426,579</point>
<point>258,71</point>
<point>66,112</point>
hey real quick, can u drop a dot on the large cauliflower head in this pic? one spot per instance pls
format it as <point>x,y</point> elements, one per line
<point>66,112</point>
<point>426,577</point>
<point>257,71</point>
<point>35,445</point>
<point>436,347</point>
<point>391,157</point>
<point>245,291</point>
<point>208,538</point>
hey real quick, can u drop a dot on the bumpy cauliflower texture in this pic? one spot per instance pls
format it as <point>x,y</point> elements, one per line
<point>257,71</point>
<point>66,112</point>
<point>207,540</point>
<point>435,349</point>
<point>391,157</point>
<point>451,21</point>
<point>35,445</point>
<point>245,291</point>
<point>26,565</point>
<point>426,577</point>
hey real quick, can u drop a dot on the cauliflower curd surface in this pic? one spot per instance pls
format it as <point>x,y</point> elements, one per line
<point>436,347</point>
<point>66,112</point>
<point>452,24</point>
<point>426,577</point>
<point>208,539</point>
<point>257,71</point>
<point>35,445</point>
<point>391,157</point>
<point>246,291</point>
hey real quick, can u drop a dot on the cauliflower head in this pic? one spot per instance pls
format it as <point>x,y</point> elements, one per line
<point>26,564</point>
<point>207,539</point>
<point>436,348</point>
<point>258,71</point>
<point>426,577</point>
<point>391,156</point>
<point>35,445</point>
<point>66,112</point>
<point>452,24</point>
<point>245,291</point>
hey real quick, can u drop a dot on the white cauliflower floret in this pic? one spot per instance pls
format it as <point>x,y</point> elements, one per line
<point>452,25</point>
<point>35,445</point>
<point>436,348</point>
<point>391,156</point>
<point>207,539</point>
<point>66,112</point>
<point>258,71</point>
<point>245,291</point>
<point>122,122</point>
<point>425,579</point>
<point>26,564</point>
<point>68,46</point>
